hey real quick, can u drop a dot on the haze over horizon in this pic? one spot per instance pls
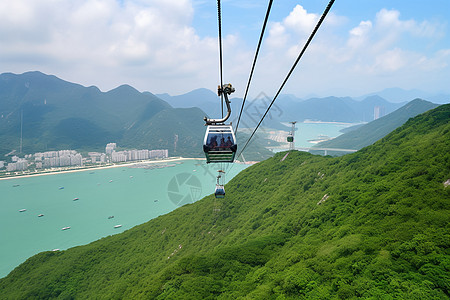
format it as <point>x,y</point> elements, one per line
<point>171,46</point>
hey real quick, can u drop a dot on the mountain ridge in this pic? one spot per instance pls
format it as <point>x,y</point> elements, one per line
<point>58,115</point>
<point>371,132</point>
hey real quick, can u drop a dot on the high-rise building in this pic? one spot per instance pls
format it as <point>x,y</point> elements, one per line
<point>378,112</point>
<point>110,148</point>
<point>20,165</point>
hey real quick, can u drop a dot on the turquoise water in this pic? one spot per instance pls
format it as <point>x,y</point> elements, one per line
<point>132,195</point>
<point>311,131</point>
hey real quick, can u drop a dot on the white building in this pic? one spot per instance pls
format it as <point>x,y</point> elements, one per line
<point>159,153</point>
<point>132,155</point>
<point>97,157</point>
<point>378,112</point>
<point>120,156</point>
<point>110,148</point>
<point>20,165</point>
<point>67,158</point>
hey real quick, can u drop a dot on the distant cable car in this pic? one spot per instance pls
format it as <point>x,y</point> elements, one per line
<point>290,137</point>
<point>220,189</point>
<point>219,143</point>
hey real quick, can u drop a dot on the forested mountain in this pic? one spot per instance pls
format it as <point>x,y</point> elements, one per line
<point>370,133</point>
<point>372,224</point>
<point>60,115</point>
<point>338,109</point>
<point>288,108</point>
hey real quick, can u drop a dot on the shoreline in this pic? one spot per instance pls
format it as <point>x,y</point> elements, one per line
<point>127,164</point>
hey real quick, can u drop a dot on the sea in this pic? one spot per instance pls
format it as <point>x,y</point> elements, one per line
<point>309,133</point>
<point>59,211</point>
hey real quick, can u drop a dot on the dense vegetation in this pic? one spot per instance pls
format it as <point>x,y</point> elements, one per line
<point>370,133</point>
<point>373,224</point>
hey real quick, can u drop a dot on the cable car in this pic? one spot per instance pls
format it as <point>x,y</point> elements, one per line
<point>220,191</point>
<point>290,138</point>
<point>219,143</point>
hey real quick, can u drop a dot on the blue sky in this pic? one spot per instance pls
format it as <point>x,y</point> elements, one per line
<point>170,46</point>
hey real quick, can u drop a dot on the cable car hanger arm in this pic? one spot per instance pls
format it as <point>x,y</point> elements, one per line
<point>225,90</point>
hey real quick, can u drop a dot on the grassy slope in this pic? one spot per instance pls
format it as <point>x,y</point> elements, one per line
<point>383,232</point>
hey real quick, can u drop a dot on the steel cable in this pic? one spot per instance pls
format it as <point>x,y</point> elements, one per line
<point>327,9</point>
<point>254,63</point>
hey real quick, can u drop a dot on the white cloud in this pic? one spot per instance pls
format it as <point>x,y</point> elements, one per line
<point>300,20</point>
<point>137,41</point>
<point>296,26</point>
<point>384,51</point>
<point>152,45</point>
<point>277,35</point>
<point>359,36</point>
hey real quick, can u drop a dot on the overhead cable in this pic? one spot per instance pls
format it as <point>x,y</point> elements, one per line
<point>254,63</point>
<point>327,9</point>
<point>220,51</point>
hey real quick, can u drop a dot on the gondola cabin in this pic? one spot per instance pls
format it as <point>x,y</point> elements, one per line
<point>220,191</point>
<point>290,138</point>
<point>219,144</point>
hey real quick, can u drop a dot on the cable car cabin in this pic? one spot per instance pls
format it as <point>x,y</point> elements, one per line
<point>290,138</point>
<point>219,144</point>
<point>220,191</point>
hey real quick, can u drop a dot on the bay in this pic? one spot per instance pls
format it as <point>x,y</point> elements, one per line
<point>93,202</point>
<point>308,131</point>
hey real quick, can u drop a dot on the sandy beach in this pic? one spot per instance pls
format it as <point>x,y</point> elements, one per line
<point>62,171</point>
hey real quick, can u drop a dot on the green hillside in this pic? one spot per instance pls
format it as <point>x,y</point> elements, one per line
<point>373,224</point>
<point>375,130</point>
<point>60,115</point>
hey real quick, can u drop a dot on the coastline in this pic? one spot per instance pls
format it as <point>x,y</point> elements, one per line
<point>53,172</point>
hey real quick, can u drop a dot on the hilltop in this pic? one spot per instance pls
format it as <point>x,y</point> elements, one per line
<point>371,224</point>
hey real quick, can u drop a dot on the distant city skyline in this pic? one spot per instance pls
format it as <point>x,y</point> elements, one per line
<point>71,158</point>
<point>171,46</point>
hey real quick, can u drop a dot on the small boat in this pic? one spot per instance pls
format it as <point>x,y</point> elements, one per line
<point>75,199</point>
<point>131,176</point>
<point>117,226</point>
<point>111,217</point>
<point>57,249</point>
<point>22,210</point>
<point>40,215</point>
<point>16,185</point>
<point>155,200</point>
<point>61,187</point>
<point>110,181</point>
<point>65,228</point>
